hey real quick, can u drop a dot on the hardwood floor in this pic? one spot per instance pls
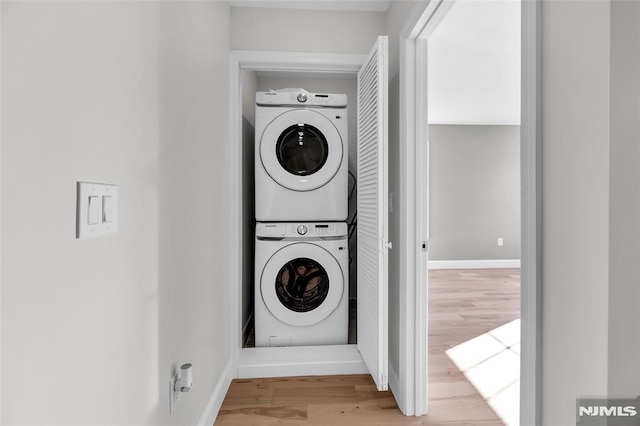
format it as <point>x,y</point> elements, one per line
<point>462,304</point>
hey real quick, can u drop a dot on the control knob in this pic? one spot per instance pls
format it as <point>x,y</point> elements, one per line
<point>302,229</point>
<point>302,97</point>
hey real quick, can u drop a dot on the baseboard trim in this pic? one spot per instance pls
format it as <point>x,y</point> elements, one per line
<point>474,264</point>
<point>300,361</point>
<point>219,392</point>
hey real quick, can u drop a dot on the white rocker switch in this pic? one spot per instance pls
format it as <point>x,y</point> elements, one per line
<point>93,216</point>
<point>107,209</point>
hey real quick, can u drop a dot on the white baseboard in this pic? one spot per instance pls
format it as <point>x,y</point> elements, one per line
<point>474,264</point>
<point>300,361</point>
<point>219,392</point>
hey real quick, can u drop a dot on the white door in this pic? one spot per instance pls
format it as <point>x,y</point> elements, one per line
<point>373,245</point>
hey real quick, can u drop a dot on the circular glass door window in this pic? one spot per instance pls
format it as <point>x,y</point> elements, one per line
<point>302,149</point>
<point>302,285</point>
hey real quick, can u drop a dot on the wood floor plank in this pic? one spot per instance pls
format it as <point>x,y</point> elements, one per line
<point>296,396</point>
<point>262,418</point>
<point>248,399</point>
<point>382,410</point>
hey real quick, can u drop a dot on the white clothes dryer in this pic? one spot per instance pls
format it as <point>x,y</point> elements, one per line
<point>301,156</point>
<point>301,284</point>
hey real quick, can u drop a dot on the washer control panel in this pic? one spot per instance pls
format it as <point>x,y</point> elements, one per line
<point>300,97</point>
<point>301,230</point>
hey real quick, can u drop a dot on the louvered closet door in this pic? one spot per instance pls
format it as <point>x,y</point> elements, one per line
<point>373,244</point>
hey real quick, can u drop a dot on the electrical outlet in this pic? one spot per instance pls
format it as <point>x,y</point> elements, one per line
<point>500,242</point>
<point>174,396</point>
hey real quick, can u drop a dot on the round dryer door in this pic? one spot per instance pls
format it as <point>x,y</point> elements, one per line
<point>301,150</point>
<point>302,284</point>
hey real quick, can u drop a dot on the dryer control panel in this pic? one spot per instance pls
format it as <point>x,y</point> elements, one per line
<point>303,230</point>
<point>300,98</point>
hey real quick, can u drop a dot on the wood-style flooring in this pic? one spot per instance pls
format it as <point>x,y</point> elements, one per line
<point>462,304</point>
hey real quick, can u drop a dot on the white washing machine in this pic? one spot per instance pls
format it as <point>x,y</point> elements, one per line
<point>301,156</point>
<point>301,284</point>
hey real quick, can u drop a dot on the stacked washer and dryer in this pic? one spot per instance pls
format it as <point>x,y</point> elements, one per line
<point>301,247</point>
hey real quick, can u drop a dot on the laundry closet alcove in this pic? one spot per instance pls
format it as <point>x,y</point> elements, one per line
<point>365,78</point>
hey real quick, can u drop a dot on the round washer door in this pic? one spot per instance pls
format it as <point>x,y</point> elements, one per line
<point>301,150</point>
<point>302,284</point>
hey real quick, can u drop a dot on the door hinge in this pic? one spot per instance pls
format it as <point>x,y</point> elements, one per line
<point>384,382</point>
<point>425,246</point>
<point>387,245</point>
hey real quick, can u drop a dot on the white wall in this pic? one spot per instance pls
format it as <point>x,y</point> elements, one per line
<point>624,209</point>
<point>195,199</point>
<point>474,192</point>
<point>83,313</point>
<point>122,93</point>
<point>474,64</point>
<point>304,30</point>
<point>396,17</point>
<point>575,163</point>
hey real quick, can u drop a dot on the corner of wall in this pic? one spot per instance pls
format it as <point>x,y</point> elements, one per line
<point>217,397</point>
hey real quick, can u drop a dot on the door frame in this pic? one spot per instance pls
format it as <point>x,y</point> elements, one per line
<point>413,334</point>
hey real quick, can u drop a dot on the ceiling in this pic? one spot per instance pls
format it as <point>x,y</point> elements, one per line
<point>342,5</point>
<point>474,64</point>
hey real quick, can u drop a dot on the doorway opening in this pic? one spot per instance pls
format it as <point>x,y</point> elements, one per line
<point>415,119</point>
<point>473,191</point>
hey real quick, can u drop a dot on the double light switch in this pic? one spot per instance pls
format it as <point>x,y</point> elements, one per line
<point>100,209</point>
<point>97,209</point>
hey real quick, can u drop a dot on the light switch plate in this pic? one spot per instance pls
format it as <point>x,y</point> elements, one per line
<point>91,218</point>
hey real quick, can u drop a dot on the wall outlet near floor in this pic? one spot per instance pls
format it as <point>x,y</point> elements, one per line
<point>500,242</point>
<point>174,396</point>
